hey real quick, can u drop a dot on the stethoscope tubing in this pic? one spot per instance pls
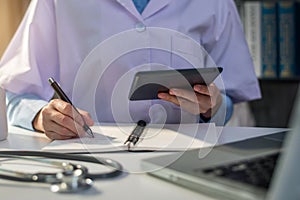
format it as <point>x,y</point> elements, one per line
<point>115,166</point>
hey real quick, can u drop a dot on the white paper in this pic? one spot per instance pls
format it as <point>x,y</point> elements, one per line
<point>168,138</point>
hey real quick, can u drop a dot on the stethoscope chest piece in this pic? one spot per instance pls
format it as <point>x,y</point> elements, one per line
<point>71,181</point>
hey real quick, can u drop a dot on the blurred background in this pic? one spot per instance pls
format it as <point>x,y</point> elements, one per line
<point>11,14</point>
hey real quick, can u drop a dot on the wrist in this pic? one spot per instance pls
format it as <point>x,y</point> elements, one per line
<point>37,122</point>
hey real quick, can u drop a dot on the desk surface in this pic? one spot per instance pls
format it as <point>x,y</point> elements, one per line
<point>133,184</point>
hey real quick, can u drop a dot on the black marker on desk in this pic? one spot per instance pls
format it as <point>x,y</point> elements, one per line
<point>65,98</point>
<point>136,133</point>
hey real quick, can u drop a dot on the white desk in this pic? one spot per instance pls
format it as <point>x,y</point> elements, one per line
<point>133,184</point>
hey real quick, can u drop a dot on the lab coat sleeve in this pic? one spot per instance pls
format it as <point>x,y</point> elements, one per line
<point>22,109</point>
<point>227,46</point>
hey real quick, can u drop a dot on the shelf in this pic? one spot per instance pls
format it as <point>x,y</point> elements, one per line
<point>283,80</point>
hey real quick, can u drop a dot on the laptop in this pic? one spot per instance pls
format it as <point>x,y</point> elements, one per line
<point>266,167</point>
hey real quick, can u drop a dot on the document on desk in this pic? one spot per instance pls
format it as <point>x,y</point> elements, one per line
<point>170,137</point>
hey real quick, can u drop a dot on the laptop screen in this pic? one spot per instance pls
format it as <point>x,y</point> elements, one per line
<point>286,183</point>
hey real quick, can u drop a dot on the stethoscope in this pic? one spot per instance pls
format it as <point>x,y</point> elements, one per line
<point>72,177</point>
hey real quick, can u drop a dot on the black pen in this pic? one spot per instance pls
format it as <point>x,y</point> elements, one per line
<point>136,133</point>
<point>65,98</point>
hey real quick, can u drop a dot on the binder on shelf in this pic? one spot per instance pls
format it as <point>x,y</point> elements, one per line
<point>260,21</point>
<point>252,26</point>
<point>286,39</point>
<point>269,40</point>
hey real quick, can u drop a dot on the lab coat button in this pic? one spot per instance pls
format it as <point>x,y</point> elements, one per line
<point>140,27</point>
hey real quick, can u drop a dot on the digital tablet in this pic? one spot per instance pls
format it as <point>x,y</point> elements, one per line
<point>147,84</point>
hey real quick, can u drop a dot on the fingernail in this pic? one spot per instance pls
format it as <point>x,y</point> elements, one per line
<point>162,95</point>
<point>197,88</point>
<point>173,91</point>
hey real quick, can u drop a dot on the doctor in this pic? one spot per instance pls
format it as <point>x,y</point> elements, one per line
<point>71,39</point>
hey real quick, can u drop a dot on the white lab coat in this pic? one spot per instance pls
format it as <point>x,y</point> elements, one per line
<point>93,48</point>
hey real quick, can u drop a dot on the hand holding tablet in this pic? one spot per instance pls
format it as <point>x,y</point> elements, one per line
<point>147,84</point>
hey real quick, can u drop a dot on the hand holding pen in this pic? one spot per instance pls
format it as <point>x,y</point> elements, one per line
<point>65,98</point>
<point>59,120</point>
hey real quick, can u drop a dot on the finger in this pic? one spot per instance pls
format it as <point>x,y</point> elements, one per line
<point>53,127</point>
<point>206,90</point>
<point>213,93</point>
<point>59,112</point>
<point>190,101</point>
<point>190,106</point>
<point>168,97</point>
<point>185,104</point>
<point>87,117</point>
<point>67,122</point>
<point>68,110</point>
<point>190,95</point>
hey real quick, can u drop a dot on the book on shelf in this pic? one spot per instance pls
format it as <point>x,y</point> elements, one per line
<point>252,26</point>
<point>260,24</point>
<point>269,40</point>
<point>272,31</point>
<point>286,39</point>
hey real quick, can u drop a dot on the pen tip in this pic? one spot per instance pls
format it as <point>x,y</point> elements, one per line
<point>88,130</point>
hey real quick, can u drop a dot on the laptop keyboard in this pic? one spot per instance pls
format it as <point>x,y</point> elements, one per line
<point>257,172</point>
